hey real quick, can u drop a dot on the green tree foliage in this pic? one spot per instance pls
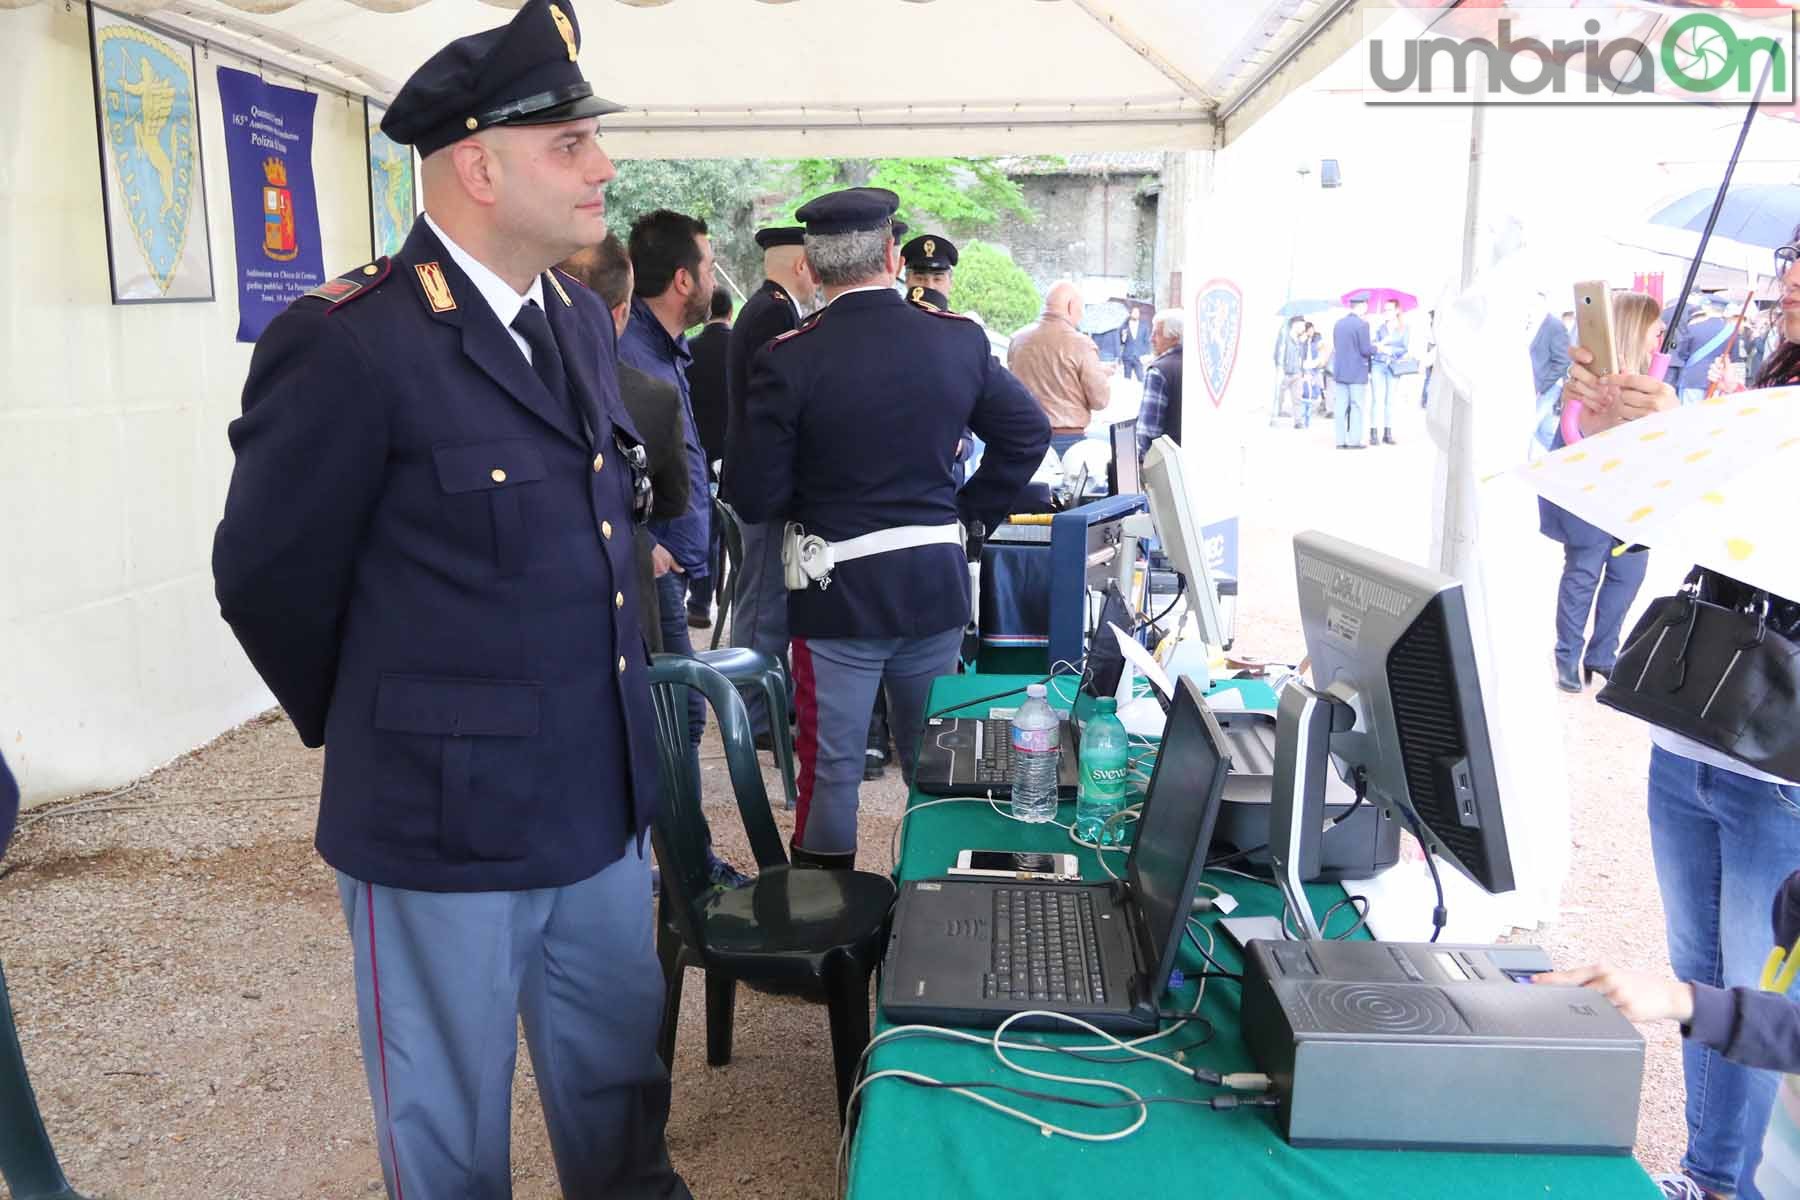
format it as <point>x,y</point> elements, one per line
<point>720,191</point>
<point>960,196</point>
<point>990,283</point>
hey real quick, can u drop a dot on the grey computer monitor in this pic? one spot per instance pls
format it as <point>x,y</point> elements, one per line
<point>1395,694</point>
<point>1126,480</point>
<point>1171,495</point>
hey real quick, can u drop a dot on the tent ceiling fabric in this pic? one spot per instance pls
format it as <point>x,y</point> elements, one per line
<point>756,77</point>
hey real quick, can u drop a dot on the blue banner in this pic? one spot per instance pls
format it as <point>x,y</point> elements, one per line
<point>274,209</point>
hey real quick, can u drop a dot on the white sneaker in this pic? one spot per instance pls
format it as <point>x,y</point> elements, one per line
<point>1678,1185</point>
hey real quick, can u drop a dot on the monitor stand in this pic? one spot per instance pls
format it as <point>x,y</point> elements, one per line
<point>1304,722</point>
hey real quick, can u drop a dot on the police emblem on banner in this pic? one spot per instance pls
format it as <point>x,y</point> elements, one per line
<point>147,111</point>
<point>1218,320</point>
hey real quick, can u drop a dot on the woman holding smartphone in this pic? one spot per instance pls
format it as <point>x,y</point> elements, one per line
<point>1589,562</point>
<point>1724,835</point>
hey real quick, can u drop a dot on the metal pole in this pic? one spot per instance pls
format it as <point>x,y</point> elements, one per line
<point>1687,285</point>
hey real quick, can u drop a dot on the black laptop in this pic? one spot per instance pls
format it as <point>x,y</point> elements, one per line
<point>972,756</point>
<point>976,951</point>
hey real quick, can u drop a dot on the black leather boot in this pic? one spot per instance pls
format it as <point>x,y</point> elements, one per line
<point>803,857</point>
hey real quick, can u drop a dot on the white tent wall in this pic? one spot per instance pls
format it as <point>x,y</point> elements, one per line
<point>112,426</point>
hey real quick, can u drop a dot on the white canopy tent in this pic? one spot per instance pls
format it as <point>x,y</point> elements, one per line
<point>799,78</point>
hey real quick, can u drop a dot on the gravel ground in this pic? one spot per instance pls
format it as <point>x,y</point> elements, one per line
<point>183,990</point>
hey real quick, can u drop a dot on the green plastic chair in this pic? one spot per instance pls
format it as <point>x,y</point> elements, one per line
<point>795,931</point>
<point>729,565</point>
<point>752,668</point>
<point>27,1159</point>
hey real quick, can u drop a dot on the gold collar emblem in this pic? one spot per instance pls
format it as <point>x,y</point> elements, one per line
<point>437,288</point>
<point>564,27</point>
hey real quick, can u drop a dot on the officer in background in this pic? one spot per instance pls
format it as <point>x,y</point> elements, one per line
<point>851,428</point>
<point>930,262</point>
<point>759,605</point>
<point>426,552</point>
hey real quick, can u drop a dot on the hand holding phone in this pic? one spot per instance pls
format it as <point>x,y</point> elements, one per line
<point>1594,326</point>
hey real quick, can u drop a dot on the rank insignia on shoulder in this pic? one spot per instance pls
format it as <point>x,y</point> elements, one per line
<point>813,321</point>
<point>437,288</point>
<point>351,284</point>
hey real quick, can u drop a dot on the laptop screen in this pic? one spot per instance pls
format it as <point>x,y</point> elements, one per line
<point>1175,828</point>
<point>1126,481</point>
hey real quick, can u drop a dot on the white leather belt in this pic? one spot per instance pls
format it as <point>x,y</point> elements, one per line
<point>807,559</point>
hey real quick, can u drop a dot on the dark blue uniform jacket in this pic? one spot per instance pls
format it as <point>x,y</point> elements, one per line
<point>431,568</point>
<point>851,426</point>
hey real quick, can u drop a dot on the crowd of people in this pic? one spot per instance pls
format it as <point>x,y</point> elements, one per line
<point>1355,376</point>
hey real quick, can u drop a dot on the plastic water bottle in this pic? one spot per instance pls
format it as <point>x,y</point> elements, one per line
<point>1105,763</point>
<point>1036,734</point>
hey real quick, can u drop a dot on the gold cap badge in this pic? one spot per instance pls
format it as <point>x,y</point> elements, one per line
<point>930,248</point>
<point>564,27</point>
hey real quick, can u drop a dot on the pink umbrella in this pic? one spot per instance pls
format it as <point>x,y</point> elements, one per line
<point>1380,296</point>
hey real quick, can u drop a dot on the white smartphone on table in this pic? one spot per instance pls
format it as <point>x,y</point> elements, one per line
<point>1016,864</point>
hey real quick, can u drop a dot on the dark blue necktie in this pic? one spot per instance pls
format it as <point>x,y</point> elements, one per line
<point>532,325</point>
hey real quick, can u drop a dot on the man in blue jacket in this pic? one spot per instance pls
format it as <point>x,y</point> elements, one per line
<point>1352,349</point>
<point>1701,342</point>
<point>426,552</point>
<point>851,425</point>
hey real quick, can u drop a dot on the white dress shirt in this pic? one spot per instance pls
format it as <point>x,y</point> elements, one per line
<point>499,294</point>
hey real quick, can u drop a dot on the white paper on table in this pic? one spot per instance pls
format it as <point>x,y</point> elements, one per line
<point>1141,659</point>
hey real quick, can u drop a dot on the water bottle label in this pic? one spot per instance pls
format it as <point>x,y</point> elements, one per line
<point>1027,741</point>
<point>1105,781</point>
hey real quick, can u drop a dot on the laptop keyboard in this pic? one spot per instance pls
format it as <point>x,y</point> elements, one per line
<point>996,762</point>
<point>1044,948</point>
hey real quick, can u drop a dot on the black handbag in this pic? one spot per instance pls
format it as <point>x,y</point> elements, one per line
<point>1404,365</point>
<point>1717,662</point>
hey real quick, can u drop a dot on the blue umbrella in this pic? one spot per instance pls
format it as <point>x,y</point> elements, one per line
<point>1304,308</point>
<point>1757,215</point>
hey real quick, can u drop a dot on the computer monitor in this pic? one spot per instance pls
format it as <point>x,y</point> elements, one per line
<point>1171,496</point>
<point>1395,700</point>
<point>1175,828</point>
<point>1124,474</point>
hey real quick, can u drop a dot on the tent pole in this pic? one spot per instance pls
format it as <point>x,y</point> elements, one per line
<point>1459,479</point>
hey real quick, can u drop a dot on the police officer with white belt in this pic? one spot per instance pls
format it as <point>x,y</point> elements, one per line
<point>427,554</point>
<point>850,436</point>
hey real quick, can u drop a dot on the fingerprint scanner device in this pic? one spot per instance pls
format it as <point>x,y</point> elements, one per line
<point>1427,1045</point>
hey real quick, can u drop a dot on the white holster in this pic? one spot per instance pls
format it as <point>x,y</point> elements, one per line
<point>807,558</point>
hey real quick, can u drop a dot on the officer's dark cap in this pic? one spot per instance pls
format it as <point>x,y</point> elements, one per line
<point>930,297</point>
<point>851,210</point>
<point>772,236</point>
<point>929,252</point>
<point>523,73</point>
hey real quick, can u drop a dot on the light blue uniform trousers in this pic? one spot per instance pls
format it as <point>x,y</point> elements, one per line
<point>442,981</point>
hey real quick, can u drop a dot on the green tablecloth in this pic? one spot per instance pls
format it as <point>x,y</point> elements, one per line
<point>913,1142</point>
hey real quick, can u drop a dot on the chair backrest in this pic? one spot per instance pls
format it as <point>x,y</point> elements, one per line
<point>680,832</point>
<point>727,518</point>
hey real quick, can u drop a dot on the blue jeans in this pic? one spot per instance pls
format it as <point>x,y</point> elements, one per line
<point>1723,844</point>
<point>671,603</point>
<point>1349,401</point>
<point>1381,399</point>
<point>1060,442</point>
<point>1586,569</point>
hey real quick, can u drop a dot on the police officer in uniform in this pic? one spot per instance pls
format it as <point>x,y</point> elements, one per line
<point>426,552</point>
<point>759,607</point>
<point>851,429</point>
<point>930,262</point>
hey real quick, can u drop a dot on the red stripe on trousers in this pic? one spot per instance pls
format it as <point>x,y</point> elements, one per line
<point>806,734</point>
<point>381,1046</point>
